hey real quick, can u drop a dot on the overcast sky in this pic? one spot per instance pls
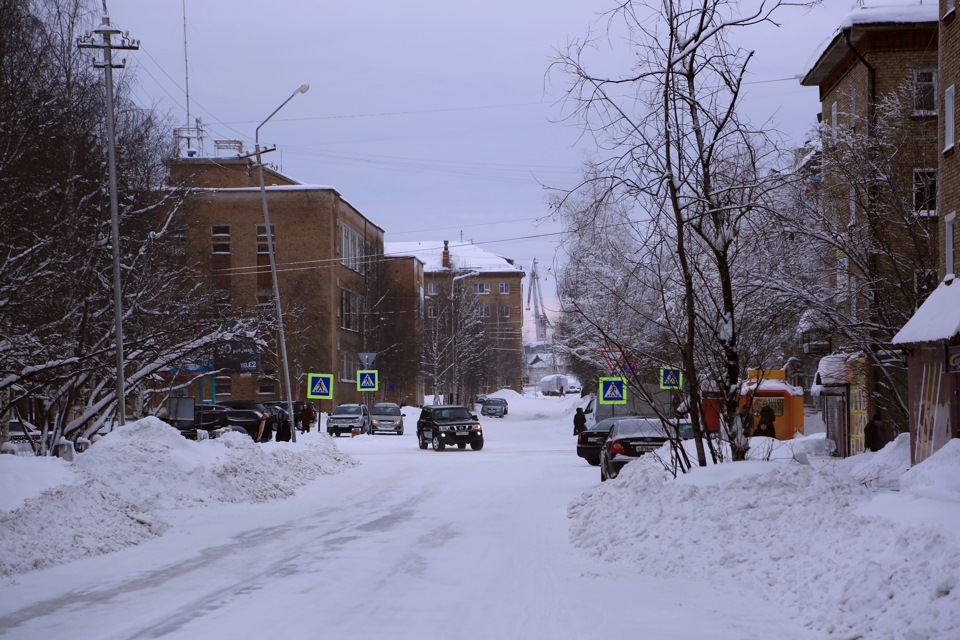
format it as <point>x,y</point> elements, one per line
<point>433,118</point>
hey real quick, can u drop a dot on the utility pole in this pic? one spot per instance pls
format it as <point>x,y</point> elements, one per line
<point>106,33</point>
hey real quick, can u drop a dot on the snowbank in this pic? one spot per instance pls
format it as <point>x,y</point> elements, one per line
<point>775,524</point>
<point>114,495</point>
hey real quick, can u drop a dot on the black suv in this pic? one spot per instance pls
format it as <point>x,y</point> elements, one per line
<point>448,425</point>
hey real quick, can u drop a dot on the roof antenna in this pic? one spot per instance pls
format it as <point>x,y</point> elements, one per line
<point>186,66</point>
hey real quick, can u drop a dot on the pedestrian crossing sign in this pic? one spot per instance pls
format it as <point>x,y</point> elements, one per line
<point>671,379</point>
<point>613,391</point>
<point>320,386</point>
<point>367,380</point>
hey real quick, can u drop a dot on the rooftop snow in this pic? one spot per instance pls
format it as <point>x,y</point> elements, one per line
<point>462,256</point>
<point>937,319</point>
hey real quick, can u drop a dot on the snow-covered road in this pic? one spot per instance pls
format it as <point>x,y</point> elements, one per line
<point>409,544</point>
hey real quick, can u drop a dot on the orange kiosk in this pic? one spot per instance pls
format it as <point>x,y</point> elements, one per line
<point>769,387</point>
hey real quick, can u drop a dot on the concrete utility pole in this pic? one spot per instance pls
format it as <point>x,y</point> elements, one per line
<point>273,264</point>
<point>106,33</point>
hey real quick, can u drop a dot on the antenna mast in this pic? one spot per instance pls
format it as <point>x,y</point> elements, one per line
<point>186,67</point>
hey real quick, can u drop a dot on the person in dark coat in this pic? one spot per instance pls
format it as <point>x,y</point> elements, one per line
<point>765,425</point>
<point>579,421</point>
<point>746,419</point>
<point>874,435</point>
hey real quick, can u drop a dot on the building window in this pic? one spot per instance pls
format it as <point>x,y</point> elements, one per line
<point>504,311</point>
<point>481,288</point>
<point>221,248</point>
<point>266,384</point>
<point>348,367</point>
<point>504,288</point>
<point>925,192</point>
<point>949,107</point>
<point>350,310</point>
<point>432,311</point>
<point>433,289</point>
<point>833,121</point>
<point>264,298</point>
<point>224,386</point>
<point>221,230</point>
<point>925,92</point>
<point>852,116</point>
<point>351,249</point>
<point>924,282</point>
<point>484,311</point>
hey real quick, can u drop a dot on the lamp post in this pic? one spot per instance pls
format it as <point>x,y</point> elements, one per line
<point>273,263</point>
<point>453,333</point>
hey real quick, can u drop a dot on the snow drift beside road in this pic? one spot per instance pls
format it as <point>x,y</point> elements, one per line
<point>117,490</point>
<point>798,534</point>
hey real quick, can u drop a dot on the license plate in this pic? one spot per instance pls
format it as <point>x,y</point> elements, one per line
<point>647,448</point>
<point>594,439</point>
<point>463,433</point>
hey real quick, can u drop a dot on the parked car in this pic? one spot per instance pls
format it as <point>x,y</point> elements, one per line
<point>629,438</point>
<point>24,437</point>
<point>591,440</point>
<point>386,416</point>
<point>265,433</point>
<point>214,417</point>
<point>496,407</point>
<point>448,425</point>
<point>347,417</point>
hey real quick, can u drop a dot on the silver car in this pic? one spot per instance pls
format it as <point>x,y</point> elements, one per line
<point>386,416</point>
<point>347,417</point>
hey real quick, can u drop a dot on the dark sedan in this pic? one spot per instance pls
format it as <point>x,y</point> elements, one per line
<point>269,420</point>
<point>590,440</point>
<point>629,438</point>
<point>211,417</point>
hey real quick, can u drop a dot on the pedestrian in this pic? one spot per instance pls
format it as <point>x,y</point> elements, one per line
<point>306,417</point>
<point>283,426</point>
<point>874,434</point>
<point>765,426</point>
<point>562,394</point>
<point>579,421</point>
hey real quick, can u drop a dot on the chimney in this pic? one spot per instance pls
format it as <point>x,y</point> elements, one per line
<point>446,254</point>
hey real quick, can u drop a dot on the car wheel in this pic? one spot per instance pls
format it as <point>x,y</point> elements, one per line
<point>593,461</point>
<point>461,445</point>
<point>603,472</point>
<point>423,441</point>
<point>612,472</point>
<point>438,443</point>
<point>400,431</point>
<point>476,445</point>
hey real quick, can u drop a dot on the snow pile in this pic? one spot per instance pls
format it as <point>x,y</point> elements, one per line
<point>774,526</point>
<point>114,493</point>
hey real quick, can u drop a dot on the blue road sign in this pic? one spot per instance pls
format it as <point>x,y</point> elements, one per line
<point>671,379</point>
<point>613,391</point>
<point>320,386</point>
<point>367,380</point>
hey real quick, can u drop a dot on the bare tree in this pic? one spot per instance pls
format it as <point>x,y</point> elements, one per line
<point>688,178</point>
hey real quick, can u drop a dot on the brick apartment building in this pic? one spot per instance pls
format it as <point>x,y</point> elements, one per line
<point>888,217</point>
<point>466,285</point>
<point>328,256</point>
<point>931,338</point>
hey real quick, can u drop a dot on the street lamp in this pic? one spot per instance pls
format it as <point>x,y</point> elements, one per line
<point>273,263</point>
<point>453,333</point>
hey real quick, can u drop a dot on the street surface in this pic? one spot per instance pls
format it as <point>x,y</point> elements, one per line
<point>410,544</point>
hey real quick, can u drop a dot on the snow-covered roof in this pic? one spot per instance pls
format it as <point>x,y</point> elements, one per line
<point>857,23</point>
<point>832,369</point>
<point>749,386</point>
<point>938,318</point>
<point>462,256</point>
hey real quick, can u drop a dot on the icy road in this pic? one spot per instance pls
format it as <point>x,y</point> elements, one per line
<point>409,544</point>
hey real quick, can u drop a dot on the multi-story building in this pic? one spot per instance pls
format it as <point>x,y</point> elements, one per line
<point>931,338</point>
<point>473,326</point>
<point>328,258</point>
<point>877,196</point>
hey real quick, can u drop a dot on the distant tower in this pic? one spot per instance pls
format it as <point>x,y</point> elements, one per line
<point>540,320</point>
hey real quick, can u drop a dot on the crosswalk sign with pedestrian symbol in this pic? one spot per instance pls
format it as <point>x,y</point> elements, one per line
<point>671,379</point>
<point>613,391</point>
<point>320,386</point>
<point>367,380</point>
